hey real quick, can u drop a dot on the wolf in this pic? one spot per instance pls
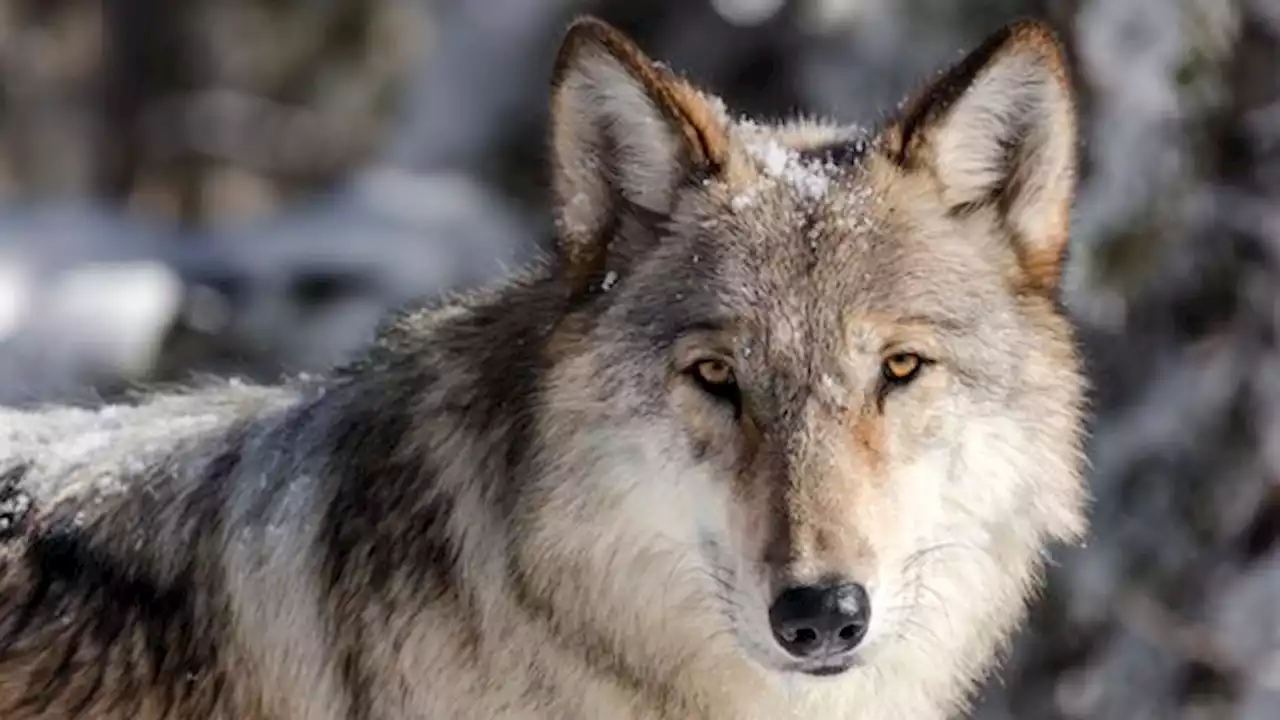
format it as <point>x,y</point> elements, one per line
<point>783,428</point>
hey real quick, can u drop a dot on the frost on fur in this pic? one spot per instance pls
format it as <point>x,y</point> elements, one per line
<point>998,131</point>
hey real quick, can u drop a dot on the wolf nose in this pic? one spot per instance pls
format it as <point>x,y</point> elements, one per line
<point>821,621</point>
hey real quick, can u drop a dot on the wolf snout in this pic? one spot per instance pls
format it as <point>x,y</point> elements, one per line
<point>821,622</point>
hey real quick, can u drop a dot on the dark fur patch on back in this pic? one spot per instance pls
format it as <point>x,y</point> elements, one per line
<point>386,529</point>
<point>389,512</point>
<point>380,526</point>
<point>383,529</point>
<point>111,600</point>
<point>15,504</point>
<point>105,615</point>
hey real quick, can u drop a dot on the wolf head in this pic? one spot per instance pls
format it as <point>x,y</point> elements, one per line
<point>814,403</point>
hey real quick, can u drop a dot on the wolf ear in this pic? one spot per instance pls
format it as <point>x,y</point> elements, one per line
<point>998,129</point>
<point>623,131</point>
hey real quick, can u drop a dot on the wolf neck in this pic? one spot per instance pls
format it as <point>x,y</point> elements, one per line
<point>433,431</point>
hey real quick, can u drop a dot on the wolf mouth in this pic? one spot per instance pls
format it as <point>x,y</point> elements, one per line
<point>829,670</point>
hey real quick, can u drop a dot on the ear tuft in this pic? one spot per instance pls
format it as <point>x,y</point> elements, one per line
<point>624,131</point>
<point>999,129</point>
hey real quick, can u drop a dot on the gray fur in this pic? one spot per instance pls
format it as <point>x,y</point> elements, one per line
<point>523,504</point>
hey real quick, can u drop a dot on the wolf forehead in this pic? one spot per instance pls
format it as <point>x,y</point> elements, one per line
<point>799,237</point>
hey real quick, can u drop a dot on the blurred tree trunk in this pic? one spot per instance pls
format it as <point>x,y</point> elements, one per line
<point>199,109</point>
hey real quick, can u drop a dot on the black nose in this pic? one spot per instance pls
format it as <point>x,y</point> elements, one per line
<point>821,621</point>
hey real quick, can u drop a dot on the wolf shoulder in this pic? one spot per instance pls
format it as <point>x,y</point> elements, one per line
<point>69,452</point>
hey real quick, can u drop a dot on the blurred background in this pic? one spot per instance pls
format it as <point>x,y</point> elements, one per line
<point>244,186</point>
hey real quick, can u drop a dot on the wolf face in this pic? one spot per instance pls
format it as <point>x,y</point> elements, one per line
<point>815,393</point>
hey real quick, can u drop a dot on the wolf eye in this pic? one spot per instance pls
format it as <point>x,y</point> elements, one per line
<point>716,378</point>
<point>714,372</point>
<point>902,368</point>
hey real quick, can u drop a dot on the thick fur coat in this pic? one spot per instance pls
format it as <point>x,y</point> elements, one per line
<point>763,356</point>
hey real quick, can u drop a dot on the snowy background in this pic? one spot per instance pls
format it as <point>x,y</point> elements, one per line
<point>243,186</point>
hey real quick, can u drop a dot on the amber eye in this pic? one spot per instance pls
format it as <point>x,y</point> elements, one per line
<point>902,367</point>
<point>714,372</point>
<point>716,378</point>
